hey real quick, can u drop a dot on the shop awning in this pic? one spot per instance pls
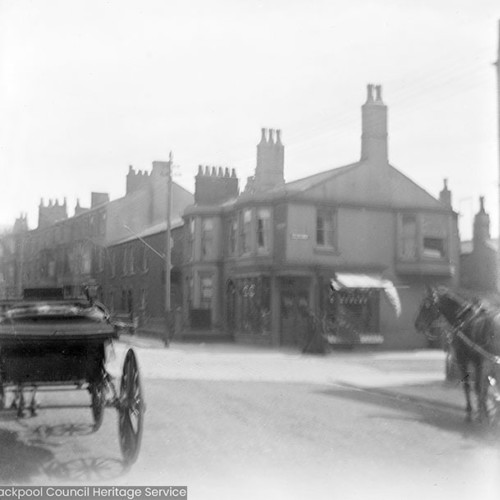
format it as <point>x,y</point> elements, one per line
<point>368,281</point>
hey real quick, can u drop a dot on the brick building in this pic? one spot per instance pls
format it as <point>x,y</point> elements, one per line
<point>255,261</point>
<point>115,244</point>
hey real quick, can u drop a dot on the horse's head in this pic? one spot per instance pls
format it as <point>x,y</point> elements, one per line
<point>428,311</point>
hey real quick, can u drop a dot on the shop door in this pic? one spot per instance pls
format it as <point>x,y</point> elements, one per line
<point>294,305</point>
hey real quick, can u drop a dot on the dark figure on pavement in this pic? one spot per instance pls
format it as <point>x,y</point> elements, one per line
<point>315,343</point>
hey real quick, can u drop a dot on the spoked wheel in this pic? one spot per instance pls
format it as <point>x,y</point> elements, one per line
<point>131,409</point>
<point>98,403</point>
<point>493,401</point>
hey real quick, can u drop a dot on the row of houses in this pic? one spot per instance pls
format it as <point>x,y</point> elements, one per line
<point>255,263</point>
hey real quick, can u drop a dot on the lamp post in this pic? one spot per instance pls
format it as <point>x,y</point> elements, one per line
<point>168,253</point>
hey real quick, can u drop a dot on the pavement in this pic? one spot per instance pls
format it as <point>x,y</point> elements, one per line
<point>414,375</point>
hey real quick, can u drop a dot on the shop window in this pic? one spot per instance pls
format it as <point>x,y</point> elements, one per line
<point>254,309</point>
<point>206,292</point>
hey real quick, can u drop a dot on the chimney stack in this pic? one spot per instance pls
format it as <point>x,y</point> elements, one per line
<point>269,172</point>
<point>374,127</point>
<point>445,194</point>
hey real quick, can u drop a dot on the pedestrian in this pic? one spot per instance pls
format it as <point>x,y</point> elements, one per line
<point>314,341</point>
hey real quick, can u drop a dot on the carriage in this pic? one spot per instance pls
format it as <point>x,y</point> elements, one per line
<point>52,342</point>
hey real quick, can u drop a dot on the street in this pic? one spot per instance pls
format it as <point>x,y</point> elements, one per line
<point>245,422</point>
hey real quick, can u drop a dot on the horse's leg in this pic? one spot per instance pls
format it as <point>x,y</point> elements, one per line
<point>22,403</point>
<point>465,379</point>
<point>480,392</point>
<point>34,403</point>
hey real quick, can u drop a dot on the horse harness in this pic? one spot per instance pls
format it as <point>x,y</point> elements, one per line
<point>457,330</point>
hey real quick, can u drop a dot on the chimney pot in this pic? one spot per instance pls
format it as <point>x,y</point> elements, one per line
<point>271,136</point>
<point>227,172</point>
<point>369,92</point>
<point>263,137</point>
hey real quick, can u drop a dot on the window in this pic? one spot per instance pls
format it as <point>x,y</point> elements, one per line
<point>408,238</point>
<point>190,239</point>
<point>86,259</point>
<point>232,235</point>
<point>99,256</point>
<point>125,261</point>
<point>144,259</point>
<point>434,248</point>
<point>325,228</point>
<point>112,262</point>
<point>246,231</point>
<point>207,238</point>
<point>263,228</point>
<point>131,261</point>
<point>206,292</point>
<point>435,236</point>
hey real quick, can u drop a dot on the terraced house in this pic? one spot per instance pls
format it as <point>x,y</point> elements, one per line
<point>256,261</point>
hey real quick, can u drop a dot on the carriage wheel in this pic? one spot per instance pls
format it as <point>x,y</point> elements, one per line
<point>131,409</point>
<point>98,403</point>
<point>493,401</point>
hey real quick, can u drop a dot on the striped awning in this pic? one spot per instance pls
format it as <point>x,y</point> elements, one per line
<point>368,281</point>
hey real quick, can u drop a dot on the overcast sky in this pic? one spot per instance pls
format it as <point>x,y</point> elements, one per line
<point>88,88</point>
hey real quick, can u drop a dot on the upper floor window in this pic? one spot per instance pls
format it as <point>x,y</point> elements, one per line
<point>325,228</point>
<point>263,228</point>
<point>434,248</point>
<point>99,256</point>
<point>131,260</point>
<point>232,235</point>
<point>144,258</point>
<point>86,259</point>
<point>408,238</point>
<point>246,225</point>
<point>125,261</point>
<point>112,262</point>
<point>207,238</point>
<point>434,236</point>
<point>190,239</point>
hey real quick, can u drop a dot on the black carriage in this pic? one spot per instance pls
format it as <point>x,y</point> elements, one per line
<point>52,342</point>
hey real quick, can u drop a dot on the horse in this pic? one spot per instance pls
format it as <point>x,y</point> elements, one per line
<point>474,337</point>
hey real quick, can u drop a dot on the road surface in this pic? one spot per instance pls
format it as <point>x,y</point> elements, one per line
<point>252,423</point>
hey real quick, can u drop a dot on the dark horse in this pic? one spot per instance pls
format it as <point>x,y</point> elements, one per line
<point>474,339</point>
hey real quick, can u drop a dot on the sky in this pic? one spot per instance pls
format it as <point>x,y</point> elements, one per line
<point>89,87</point>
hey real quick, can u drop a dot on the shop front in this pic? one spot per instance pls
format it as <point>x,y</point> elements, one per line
<point>352,308</point>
